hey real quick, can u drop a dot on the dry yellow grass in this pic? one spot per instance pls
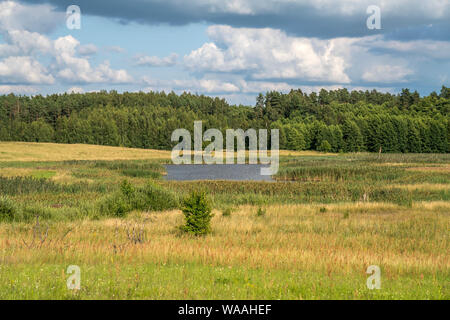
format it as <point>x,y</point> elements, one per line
<point>27,151</point>
<point>305,153</point>
<point>16,172</point>
<point>420,186</point>
<point>289,237</point>
<point>443,168</point>
<point>391,164</point>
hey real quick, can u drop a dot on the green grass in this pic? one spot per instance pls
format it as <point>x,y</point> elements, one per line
<point>197,281</point>
<point>43,174</point>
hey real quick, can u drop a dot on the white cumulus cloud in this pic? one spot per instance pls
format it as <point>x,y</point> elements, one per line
<point>26,48</point>
<point>75,69</point>
<point>24,70</point>
<point>387,74</point>
<point>268,54</point>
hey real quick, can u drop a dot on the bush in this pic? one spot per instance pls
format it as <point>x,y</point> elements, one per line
<point>152,197</point>
<point>197,212</point>
<point>115,205</point>
<point>119,203</point>
<point>10,212</point>
<point>155,198</point>
<point>127,188</point>
<point>8,209</point>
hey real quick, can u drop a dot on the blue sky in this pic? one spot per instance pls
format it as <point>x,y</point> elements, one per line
<point>232,49</point>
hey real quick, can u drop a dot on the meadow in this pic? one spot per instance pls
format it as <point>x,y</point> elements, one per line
<point>311,235</point>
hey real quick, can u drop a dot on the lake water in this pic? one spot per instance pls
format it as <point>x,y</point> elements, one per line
<point>234,172</point>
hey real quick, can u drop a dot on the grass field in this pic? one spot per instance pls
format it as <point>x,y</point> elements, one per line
<point>328,218</point>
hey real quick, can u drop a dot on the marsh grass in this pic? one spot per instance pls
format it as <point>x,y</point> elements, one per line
<point>151,197</point>
<point>335,216</point>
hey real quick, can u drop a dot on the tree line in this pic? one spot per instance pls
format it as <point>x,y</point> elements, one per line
<point>336,120</point>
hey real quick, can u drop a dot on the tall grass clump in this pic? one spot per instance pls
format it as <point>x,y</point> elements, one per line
<point>260,212</point>
<point>151,197</point>
<point>141,173</point>
<point>8,209</point>
<point>27,185</point>
<point>11,212</point>
<point>197,212</point>
<point>135,169</point>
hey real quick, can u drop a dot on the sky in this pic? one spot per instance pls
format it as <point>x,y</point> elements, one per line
<point>232,49</point>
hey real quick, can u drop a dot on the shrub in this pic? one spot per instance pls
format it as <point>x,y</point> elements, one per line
<point>115,205</point>
<point>127,189</point>
<point>10,212</point>
<point>153,197</point>
<point>149,198</point>
<point>119,203</point>
<point>197,212</point>
<point>8,209</point>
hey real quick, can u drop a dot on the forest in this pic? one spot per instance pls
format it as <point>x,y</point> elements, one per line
<point>329,121</point>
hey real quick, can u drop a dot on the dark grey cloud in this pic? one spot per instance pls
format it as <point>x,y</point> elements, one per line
<point>401,19</point>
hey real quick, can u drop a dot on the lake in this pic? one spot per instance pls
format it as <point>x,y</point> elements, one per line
<point>233,172</point>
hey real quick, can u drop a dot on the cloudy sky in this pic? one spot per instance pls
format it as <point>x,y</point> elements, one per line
<point>232,49</point>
